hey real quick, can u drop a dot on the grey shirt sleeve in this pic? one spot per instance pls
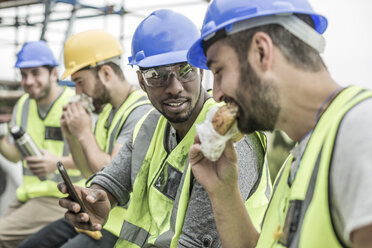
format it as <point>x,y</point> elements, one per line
<point>130,122</point>
<point>199,228</point>
<point>351,171</point>
<point>116,176</point>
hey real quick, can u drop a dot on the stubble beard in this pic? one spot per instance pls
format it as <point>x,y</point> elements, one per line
<point>103,96</point>
<point>189,113</point>
<point>260,109</point>
<point>44,93</point>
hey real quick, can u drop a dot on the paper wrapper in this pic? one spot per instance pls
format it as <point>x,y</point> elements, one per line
<point>84,100</point>
<point>212,143</point>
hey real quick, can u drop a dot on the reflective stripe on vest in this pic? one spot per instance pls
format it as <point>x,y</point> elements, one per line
<point>106,136</point>
<point>302,211</point>
<point>142,137</point>
<point>119,125</point>
<point>46,134</point>
<point>106,139</point>
<point>142,141</point>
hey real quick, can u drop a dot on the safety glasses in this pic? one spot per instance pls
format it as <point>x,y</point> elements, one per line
<point>160,76</point>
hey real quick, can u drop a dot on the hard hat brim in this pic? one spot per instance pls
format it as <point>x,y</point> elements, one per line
<point>33,63</point>
<point>196,57</point>
<point>66,74</point>
<point>162,59</point>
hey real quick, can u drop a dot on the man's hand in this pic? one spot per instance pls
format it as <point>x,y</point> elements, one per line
<point>75,119</point>
<point>44,165</point>
<point>63,124</point>
<point>220,180</point>
<point>96,202</point>
<point>219,177</point>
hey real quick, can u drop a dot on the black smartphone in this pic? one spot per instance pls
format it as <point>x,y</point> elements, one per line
<point>70,187</point>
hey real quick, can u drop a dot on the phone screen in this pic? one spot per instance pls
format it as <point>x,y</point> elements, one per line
<point>70,187</point>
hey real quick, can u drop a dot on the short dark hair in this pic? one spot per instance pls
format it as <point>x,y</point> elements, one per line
<point>117,69</point>
<point>297,52</point>
<point>49,68</point>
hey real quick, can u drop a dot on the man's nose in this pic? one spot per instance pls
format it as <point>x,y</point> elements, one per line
<point>28,80</point>
<point>218,95</point>
<point>174,86</point>
<point>78,89</point>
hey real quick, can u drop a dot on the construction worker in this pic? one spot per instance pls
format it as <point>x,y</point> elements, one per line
<point>38,113</point>
<point>266,56</point>
<point>168,208</point>
<point>92,58</point>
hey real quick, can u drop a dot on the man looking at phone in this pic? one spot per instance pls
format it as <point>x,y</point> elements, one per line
<point>167,207</point>
<point>38,113</point>
<point>92,58</point>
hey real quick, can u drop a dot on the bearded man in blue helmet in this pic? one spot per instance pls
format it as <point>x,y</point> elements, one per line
<point>265,55</point>
<point>38,113</point>
<point>167,208</point>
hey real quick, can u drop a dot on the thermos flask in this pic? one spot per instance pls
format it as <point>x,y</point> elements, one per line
<point>25,144</point>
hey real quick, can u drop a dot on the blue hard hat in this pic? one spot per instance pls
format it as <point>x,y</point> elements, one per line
<point>34,54</point>
<point>223,13</point>
<point>162,38</point>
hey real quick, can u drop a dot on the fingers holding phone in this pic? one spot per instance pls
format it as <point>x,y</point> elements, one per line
<point>78,213</point>
<point>88,208</point>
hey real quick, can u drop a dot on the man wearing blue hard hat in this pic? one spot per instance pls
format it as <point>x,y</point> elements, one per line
<point>265,55</point>
<point>167,208</point>
<point>38,113</point>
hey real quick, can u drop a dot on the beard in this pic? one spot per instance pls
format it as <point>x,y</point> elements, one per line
<point>102,96</point>
<point>44,92</point>
<point>185,118</point>
<point>260,109</point>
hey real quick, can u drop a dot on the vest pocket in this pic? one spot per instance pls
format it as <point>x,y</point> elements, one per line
<point>291,222</point>
<point>168,181</point>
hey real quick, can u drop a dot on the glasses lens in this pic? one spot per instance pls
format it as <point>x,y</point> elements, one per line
<point>186,73</point>
<point>151,77</point>
<point>159,76</point>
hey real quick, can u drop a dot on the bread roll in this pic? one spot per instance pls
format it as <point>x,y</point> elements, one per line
<point>84,100</point>
<point>224,119</point>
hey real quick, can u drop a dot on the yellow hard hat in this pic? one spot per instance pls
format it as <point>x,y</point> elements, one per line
<point>89,48</point>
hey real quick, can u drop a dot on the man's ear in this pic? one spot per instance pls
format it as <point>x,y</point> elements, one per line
<point>105,73</point>
<point>54,73</point>
<point>140,81</point>
<point>260,53</point>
